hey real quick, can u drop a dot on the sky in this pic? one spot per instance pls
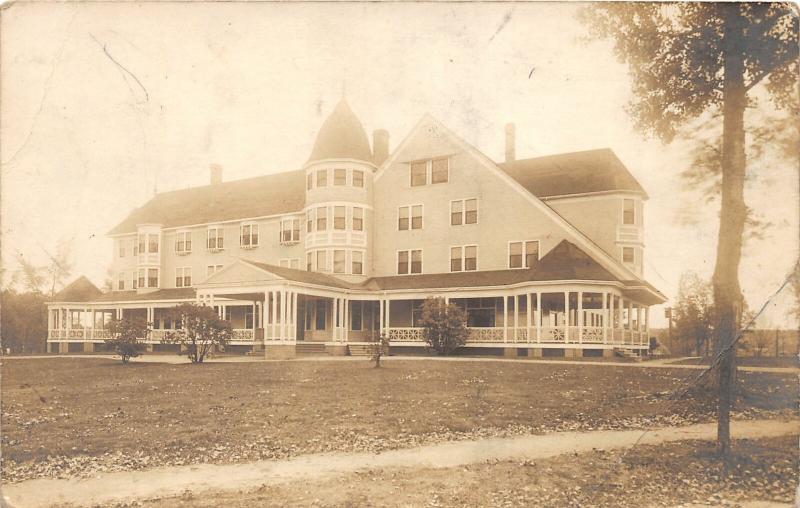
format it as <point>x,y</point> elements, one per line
<point>104,104</point>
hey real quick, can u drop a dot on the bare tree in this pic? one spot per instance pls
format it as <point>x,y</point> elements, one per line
<point>60,265</point>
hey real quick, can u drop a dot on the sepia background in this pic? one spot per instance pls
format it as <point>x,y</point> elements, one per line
<point>103,104</point>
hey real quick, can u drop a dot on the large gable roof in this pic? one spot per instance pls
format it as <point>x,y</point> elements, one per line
<point>239,199</point>
<point>79,290</point>
<point>572,173</point>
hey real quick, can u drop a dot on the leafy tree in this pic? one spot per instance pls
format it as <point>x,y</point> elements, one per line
<point>687,59</point>
<point>127,336</point>
<point>445,325</point>
<point>23,321</point>
<point>200,331</point>
<point>693,312</point>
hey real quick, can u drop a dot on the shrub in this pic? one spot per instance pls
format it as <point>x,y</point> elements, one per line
<point>199,329</point>
<point>445,325</point>
<point>127,336</point>
<point>379,346</point>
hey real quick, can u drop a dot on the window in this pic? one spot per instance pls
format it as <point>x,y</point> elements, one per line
<point>358,178</point>
<point>628,212</point>
<point>214,240</point>
<point>309,181</point>
<point>439,170</point>
<point>339,176</point>
<point>212,269</point>
<point>338,261</point>
<point>152,243</point>
<point>322,177</point>
<point>320,314</point>
<point>310,220</point>
<point>290,230</point>
<point>457,213</point>
<point>355,316</point>
<point>290,263</point>
<point>471,211</point>
<point>141,244</point>
<point>419,173</point>
<point>358,219</point>
<point>121,248</point>
<point>322,261</point>
<point>134,281</point>
<point>183,242</point>
<point>409,217</point>
<point>121,281</point>
<point>249,236</point>
<point>322,218</point>
<point>464,258</point>
<point>628,255</point>
<point>309,261</point>
<point>152,277</point>
<point>183,277</point>
<point>463,211</point>
<point>339,217</point>
<point>141,280</point>
<point>523,254</point>
<point>409,261</point>
<point>358,262</point>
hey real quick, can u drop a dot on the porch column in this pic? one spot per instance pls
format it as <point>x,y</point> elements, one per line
<point>274,315</point>
<point>580,317</point>
<point>282,315</point>
<point>505,318</point>
<point>647,322</point>
<point>566,317</point>
<point>294,315</point>
<point>528,312</point>
<point>538,316</point>
<point>619,312</point>
<point>265,315</point>
<point>346,319</point>
<point>605,317</point>
<point>516,317</point>
<point>335,319</point>
<point>381,324</point>
<point>388,315</point>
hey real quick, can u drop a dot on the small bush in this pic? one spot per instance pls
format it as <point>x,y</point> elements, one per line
<point>127,336</point>
<point>445,325</point>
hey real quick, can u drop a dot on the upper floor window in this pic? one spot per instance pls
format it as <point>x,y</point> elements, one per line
<point>310,220</point>
<point>338,261</point>
<point>339,176</point>
<point>290,263</point>
<point>358,218</point>
<point>628,255</point>
<point>322,218</point>
<point>215,239</point>
<point>409,217</point>
<point>628,212</point>
<point>148,278</point>
<point>212,269</point>
<point>464,211</point>
<point>183,242</point>
<point>310,181</point>
<point>121,248</point>
<point>152,243</point>
<point>141,240</point>
<point>523,254</point>
<point>248,237</point>
<point>440,170</point>
<point>358,262</point>
<point>290,230</point>
<point>409,261</point>
<point>419,173</point>
<point>339,217</point>
<point>121,281</point>
<point>309,261</point>
<point>322,261</point>
<point>358,178</point>
<point>322,177</point>
<point>183,277</point>
<point>464,258</point>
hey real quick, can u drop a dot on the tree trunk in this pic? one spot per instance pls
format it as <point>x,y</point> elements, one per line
<point>727,293</point>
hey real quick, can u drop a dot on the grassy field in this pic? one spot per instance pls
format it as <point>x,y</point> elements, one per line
<point>664,475</point>
<point>66,416</point>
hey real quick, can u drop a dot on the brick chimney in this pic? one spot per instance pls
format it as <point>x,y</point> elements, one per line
<point>380,146</point>
<point>216,174</point>
<point>511,142</point>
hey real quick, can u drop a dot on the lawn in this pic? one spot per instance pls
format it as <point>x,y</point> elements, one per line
<point>662,475</point>
<point>70,416</point>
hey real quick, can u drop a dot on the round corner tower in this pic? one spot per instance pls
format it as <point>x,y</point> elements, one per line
<point>338,205</point>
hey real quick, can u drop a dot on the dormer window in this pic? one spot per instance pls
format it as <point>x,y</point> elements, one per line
<point>290,231</point>
<point>183,242</point>
<point>248,238</point>
<point>215,239</point>
<point>628,212</point>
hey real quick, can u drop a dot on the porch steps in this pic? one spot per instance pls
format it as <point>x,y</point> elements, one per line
<point>628,353</point>
<point>360,349</point>
<point>310,349</point>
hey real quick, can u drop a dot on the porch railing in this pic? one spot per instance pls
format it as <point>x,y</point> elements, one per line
<point>549,335</point>
<point>406,334</point>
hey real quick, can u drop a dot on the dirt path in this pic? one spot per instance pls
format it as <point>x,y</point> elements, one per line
<point>172,481</point>
<point>655,364</point>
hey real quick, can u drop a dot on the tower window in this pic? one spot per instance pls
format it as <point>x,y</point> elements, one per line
<point>339,176</point>
<point>358,178</point>
<point>322,177</point>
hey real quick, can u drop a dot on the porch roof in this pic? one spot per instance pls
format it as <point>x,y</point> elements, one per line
<point>132,296</point>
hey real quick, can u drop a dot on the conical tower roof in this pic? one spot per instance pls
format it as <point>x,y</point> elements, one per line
<point>341,137</point>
